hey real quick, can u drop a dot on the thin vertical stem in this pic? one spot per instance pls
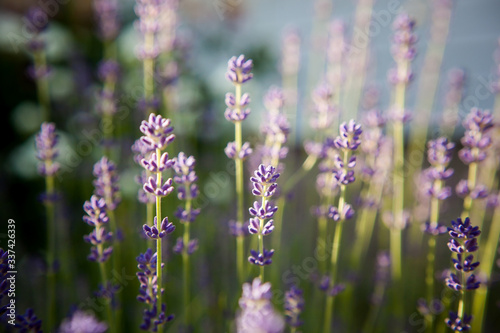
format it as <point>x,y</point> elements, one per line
<point>471,184</point>
<point>51,244</point>
<point>185,263</point>
<point>42,84</point>
<point>329,309</point>
<point>158,241</point>
<point>240,254</point>
<point>104,278</point>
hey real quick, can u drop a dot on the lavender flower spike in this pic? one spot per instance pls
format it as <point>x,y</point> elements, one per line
<point>294,305</point>
<point>106,184</point>
<point>257,312</point>
<point>239,69</point>
<point>82,322</point>
<point>97,218</point>
<point>157,132</point>
<point>46,142</point>
<point>463,241</point>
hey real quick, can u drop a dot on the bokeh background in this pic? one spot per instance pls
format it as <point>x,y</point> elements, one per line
<point>208,35</point>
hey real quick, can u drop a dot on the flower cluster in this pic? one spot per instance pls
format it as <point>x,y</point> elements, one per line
<point>148,12</point>
<point>109,73</point>
<point>476,139</point>
<point>83,322</point>
<point>257,312</point>
<point>403,49</point>
<point>439,154</point>
<point>148,292</point>
<point>294,305</point>
<point>106,12</point>
<point>142,151</point>
<point>98,219</point>
<point>276,128</point>
<point>185,177</point>
<point>157,135</point>
<point>264,186</point>
<point>238,72</point>
<point>29,322</point>
<point>324,111</point>
<point>4,290</point>
<point>46,142</point>
<point>106,182</point>
<point>36,21</point>
<point>463,242</point>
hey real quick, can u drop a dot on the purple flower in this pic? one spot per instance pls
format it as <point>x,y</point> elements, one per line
<point>28,322</point>
<point>148,291</point>
<point>458,324</point>
<point>476,139</point>
<point>232,153</point>
<point>324,112</point>
<point>403,48</point>
<point>349,137</point>
<point>294,305</point>
<point>97,218</point>
<point>191,247</point>
<point>156,232</point>
<point>46,142</point>
<point>157,132</point>
<point>238,229</point>
<point>257,312</point>
<point>264,180</point>
<point>153,165</point>
<point>239,69</point>
<point>106,12</point>
<point>463,242</point>
<point>158,188</point>
<point>82,322</point>
<point>274,99</point>
<point>106,183</point>
<point>434,228</point>
<point>261,259</point>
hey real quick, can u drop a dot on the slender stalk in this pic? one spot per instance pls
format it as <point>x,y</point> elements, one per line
<point>104,278</point>
<point>471,183</point>
<point>431,256</point>
<point>398,181</point>
<point>158,241</point>
<point>51,244</point>
<point>42,84</point>
<point>186,267</point>
<point>240,254</point>
<point>261,237</point>
<point>335,255</point>
<point>487,264</point>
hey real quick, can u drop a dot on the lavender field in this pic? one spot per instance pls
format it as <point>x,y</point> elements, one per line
<point>252,167</point>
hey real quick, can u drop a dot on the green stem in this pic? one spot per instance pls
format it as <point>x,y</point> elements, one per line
<point>42,84</point>
<point>398,178</point>
<point>51,244</point>
<point>104,278</point>
<point>158,241</point>
<point>186,268</point>
<point>240,255</point>
<point>431,256</point>
<point>471,183</point>
<point>329,308</point>
<point>487,264</point>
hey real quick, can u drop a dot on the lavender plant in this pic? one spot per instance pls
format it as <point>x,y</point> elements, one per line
<point>264,187</point>
<point>153,316</point>
<point>99,237</point>
<point>238,72</point>
<point>294,305</point>
<point>257,312</point>
<point>347,143</point>
<point>403,52</point>
<point>158,135</point>
<point>188,191</point>
<point>476,141</point>
<point>463,242</point>
<point>439,155</point>
<point>40,70</point>
<point>29,322</point>
<point>82,322</point>
<point>47,151</point>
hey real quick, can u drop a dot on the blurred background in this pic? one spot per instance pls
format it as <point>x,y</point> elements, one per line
<point>208,33</point>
